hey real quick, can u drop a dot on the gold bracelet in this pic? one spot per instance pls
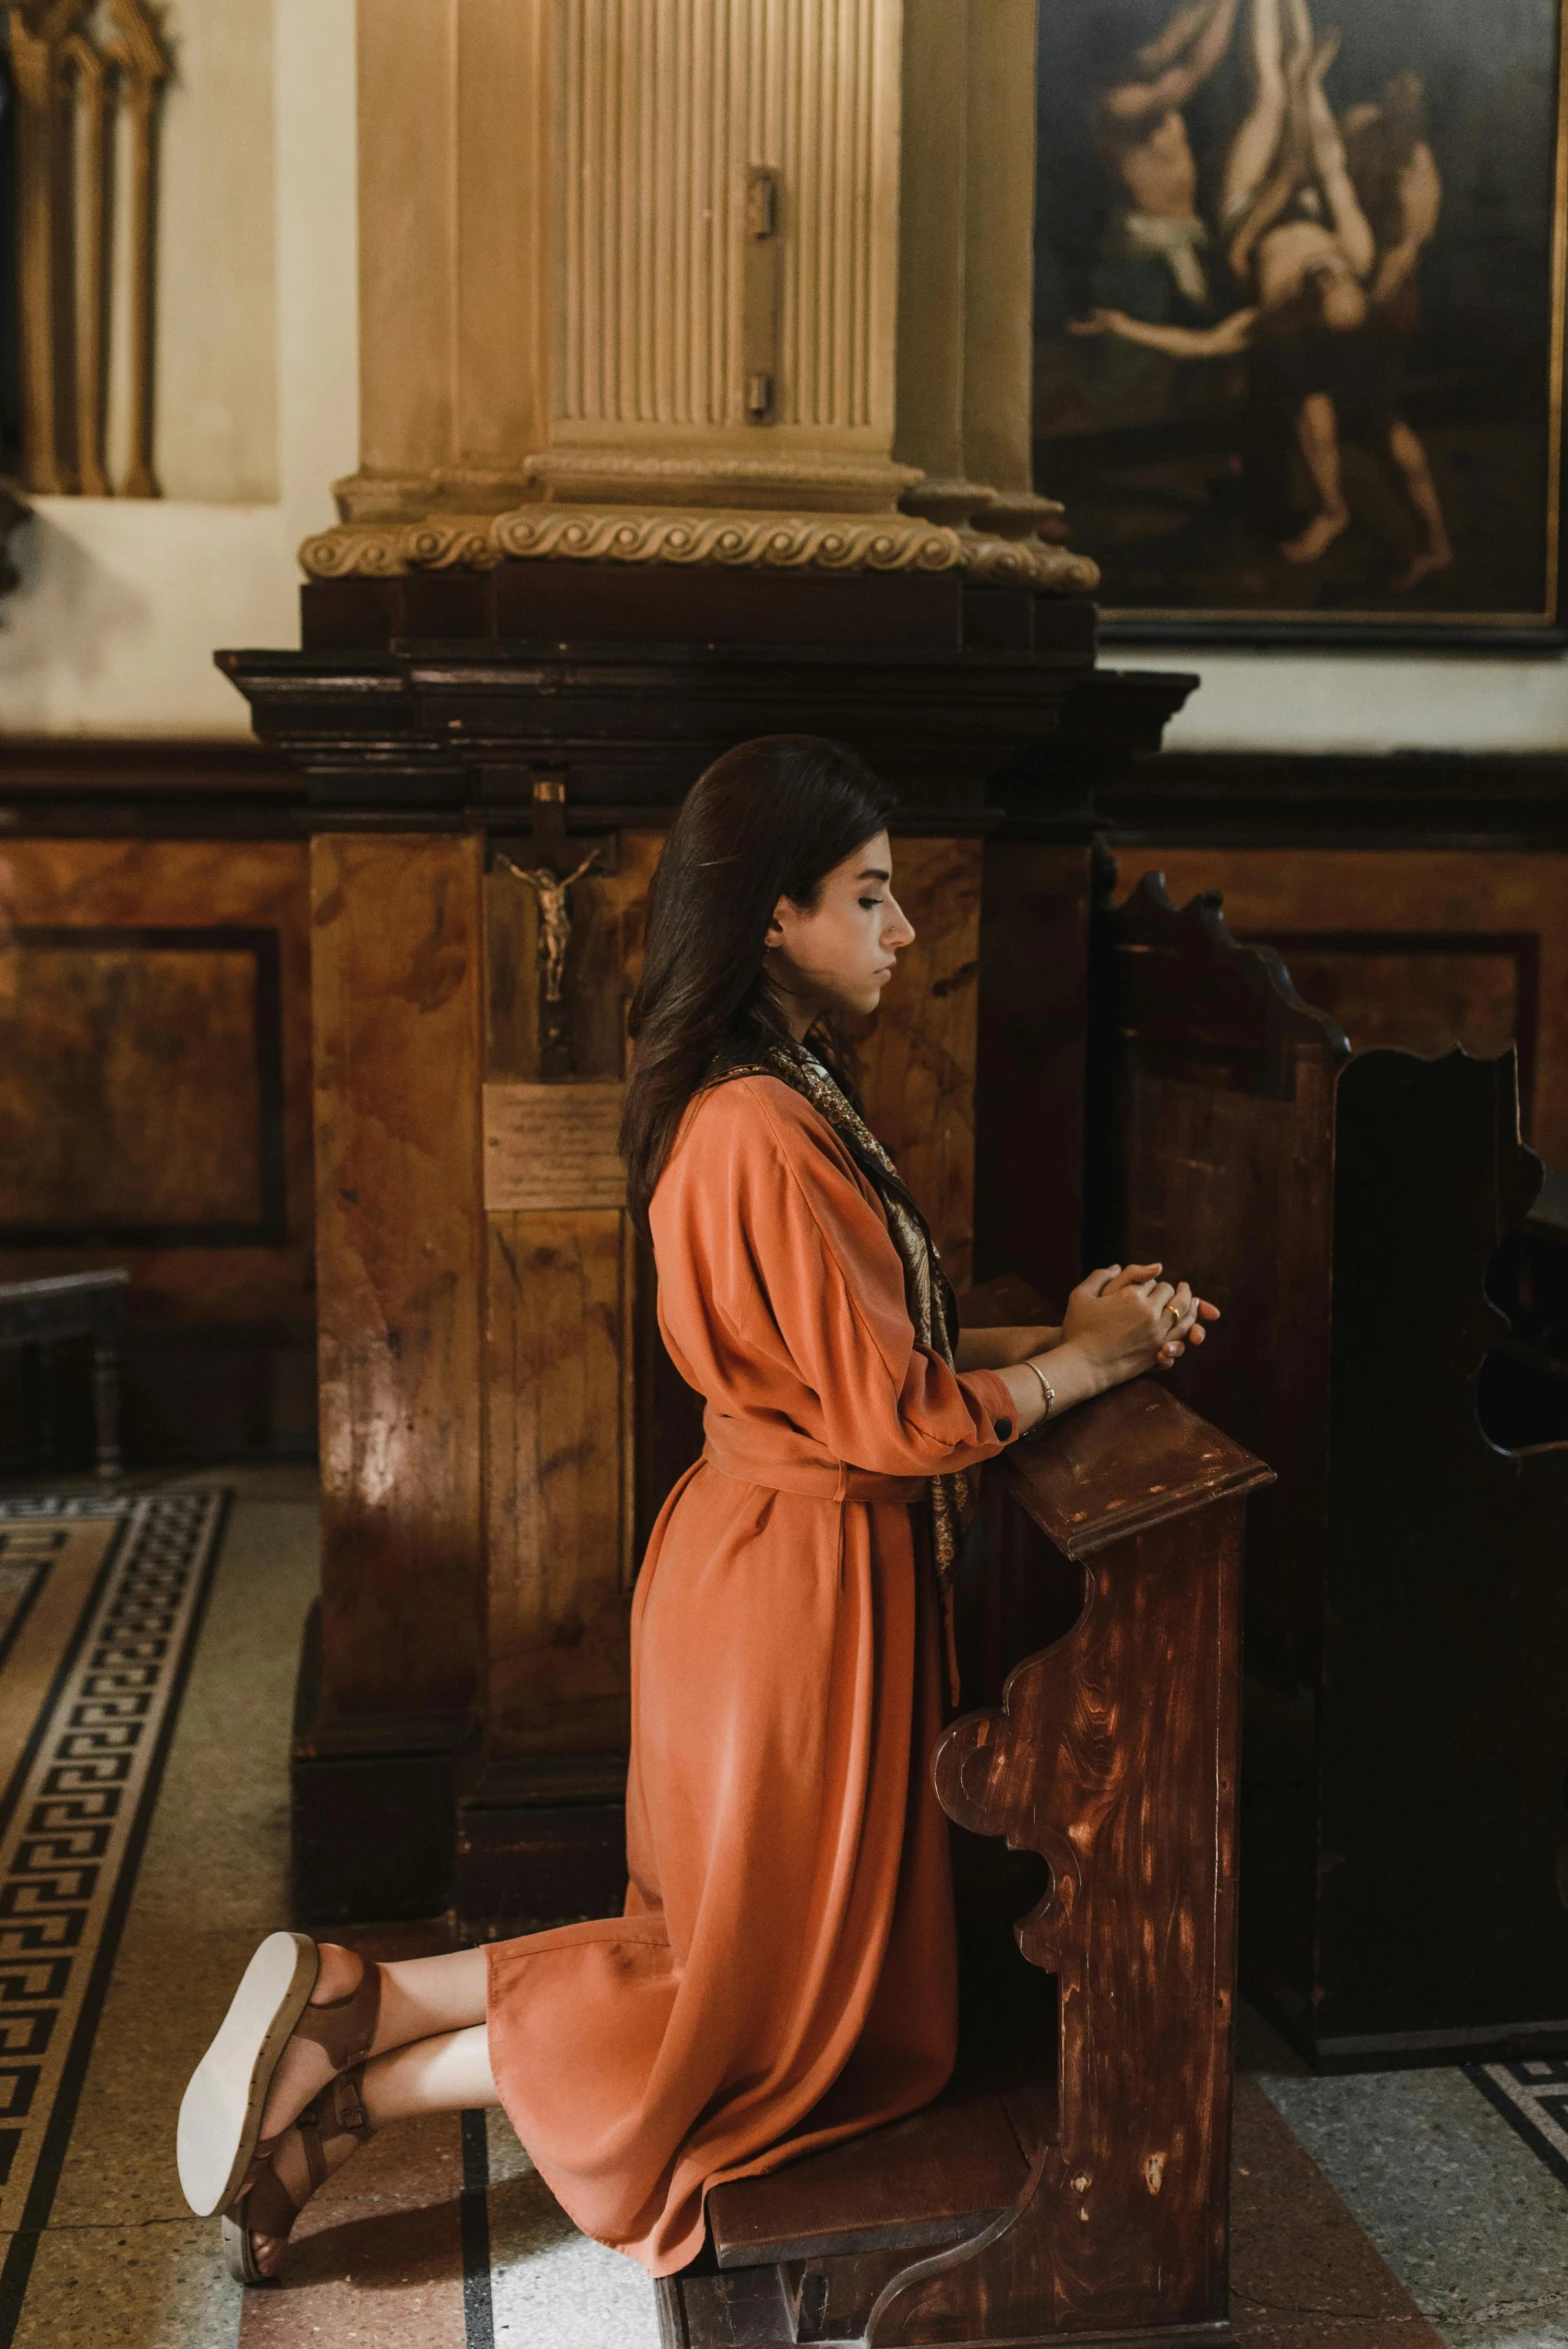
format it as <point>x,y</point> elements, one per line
<point>1046,1388</point>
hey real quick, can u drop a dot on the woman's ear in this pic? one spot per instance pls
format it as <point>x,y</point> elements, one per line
<point>774,933</point>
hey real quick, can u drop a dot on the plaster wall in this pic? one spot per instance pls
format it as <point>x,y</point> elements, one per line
<point>1364,701</point>
<point>215,391</point>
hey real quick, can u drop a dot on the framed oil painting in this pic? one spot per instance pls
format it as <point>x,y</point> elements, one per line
<point>1299,313</point>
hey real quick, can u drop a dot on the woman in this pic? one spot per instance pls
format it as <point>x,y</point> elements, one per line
<point>784,1971</point>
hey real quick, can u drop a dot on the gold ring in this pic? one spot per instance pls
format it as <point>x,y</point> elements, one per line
<point>1173,1307</point>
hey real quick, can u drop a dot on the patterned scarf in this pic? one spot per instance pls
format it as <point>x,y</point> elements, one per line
<point>932,1306</point>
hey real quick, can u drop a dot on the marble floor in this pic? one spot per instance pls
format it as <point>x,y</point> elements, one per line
<point>1386,2211</point>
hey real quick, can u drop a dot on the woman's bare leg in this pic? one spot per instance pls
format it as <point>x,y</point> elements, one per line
<point>446,2073</point>
<point>421,1998</point>
<point>1421,489</point>
<point>1317,429</point>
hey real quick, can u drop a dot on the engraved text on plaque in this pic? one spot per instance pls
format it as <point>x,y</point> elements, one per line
<point>552,1146</point>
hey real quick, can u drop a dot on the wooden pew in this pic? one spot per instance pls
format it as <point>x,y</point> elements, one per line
<point>1074,2176</point>
<point>1404,1861</point>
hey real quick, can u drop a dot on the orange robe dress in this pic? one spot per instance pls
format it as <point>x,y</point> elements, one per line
<point>784,1973</point>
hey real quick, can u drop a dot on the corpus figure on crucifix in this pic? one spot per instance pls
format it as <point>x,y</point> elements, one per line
<point>555,918</point>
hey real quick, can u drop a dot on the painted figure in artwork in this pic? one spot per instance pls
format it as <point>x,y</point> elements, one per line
<point>1322,224</point>
<point>784,1973</point>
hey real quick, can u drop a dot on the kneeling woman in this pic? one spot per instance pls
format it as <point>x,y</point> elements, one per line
<point>784,1972</point>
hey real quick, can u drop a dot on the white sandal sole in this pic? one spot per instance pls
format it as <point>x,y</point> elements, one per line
<point>238,2257</point>
<point>220,2112</point>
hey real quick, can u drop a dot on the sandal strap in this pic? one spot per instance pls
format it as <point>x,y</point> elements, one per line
<point>350,2117</point>
<point>264,2205</point>
<point>346,2027</point>
<point>312,2137</point>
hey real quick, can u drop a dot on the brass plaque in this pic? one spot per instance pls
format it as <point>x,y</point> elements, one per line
<point>552,1146</point>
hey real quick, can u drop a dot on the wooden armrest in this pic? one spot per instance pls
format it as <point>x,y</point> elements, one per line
<point>1131,1460</point>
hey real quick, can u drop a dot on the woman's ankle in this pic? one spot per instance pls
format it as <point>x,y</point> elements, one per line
<point>339,1973</point>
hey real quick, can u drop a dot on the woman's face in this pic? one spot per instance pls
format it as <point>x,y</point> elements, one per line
<point>839,954</point>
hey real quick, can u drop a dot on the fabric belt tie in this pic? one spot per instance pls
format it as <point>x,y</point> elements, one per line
<point>814,1480</point>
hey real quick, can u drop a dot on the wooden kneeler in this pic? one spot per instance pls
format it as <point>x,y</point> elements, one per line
<point>1074,2177</point>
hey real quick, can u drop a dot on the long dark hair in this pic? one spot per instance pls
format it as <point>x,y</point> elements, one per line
<point>769,819</point>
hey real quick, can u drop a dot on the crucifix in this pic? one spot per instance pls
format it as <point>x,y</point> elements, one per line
<point>552,888</point>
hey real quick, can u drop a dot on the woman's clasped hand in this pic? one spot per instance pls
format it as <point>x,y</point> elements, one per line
<point>1125,1319</point>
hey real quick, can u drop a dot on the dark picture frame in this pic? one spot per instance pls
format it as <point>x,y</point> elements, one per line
<point>1299,315</point>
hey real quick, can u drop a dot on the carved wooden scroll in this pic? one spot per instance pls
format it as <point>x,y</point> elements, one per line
<point>80,89</point>
<point>1113,1755</point>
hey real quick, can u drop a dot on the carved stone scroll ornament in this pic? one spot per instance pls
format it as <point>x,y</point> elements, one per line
<point>736,539</point>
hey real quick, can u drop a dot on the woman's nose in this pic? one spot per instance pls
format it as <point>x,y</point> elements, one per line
<point>900,930</point>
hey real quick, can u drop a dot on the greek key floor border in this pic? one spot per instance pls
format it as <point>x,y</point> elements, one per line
<point>1533,2099</point>
<point>73,1824</point>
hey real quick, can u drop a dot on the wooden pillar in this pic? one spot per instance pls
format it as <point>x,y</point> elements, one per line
<point>397,978</point>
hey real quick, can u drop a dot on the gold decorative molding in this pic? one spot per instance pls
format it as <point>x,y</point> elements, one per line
<point>384,550</point>
<point>663,534</point>
<point>1025,562</point>
<point>829,542</point>
<point>74,87</point>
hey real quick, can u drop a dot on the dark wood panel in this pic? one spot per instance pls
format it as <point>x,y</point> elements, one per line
<point>398,999</point>
<point>1442,1736</point>
<point>81,787</point>
<point>1416,949</point>
<point>558,1327</point>
<point>1425,991</point>
<point>144,1087</point>
<point>918,1058</point>
<point>1412,800</point>
<point>159,1111</point>
<point>943,2173</point>
<point>1033,1022</point>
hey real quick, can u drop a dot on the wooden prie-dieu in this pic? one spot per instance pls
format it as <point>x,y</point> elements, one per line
<point>1073,2179</point>
<point>1363,1219</point>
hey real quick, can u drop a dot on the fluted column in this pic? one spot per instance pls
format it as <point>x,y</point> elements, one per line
<point>631,284</point>
<point>966,285</point>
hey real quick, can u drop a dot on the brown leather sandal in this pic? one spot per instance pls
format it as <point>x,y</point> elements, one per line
<point>264,2205</point>
<point>220,2114</point>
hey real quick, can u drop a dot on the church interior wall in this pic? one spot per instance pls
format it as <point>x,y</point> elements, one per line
<point>107,647</point>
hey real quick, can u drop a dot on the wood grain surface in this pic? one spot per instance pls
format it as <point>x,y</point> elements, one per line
<point>1432,991</point>
<point>1114,1756</point>
<point>90,1114</point>
<point>558,1324</point>
<point>398,994</point>
<point>1033,1063</point>
<point>1221,1101</point>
